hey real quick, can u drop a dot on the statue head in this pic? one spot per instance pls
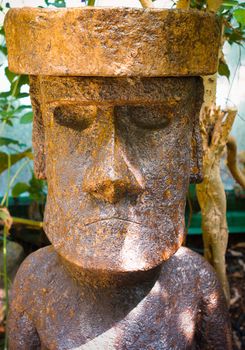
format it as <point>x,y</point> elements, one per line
<point>116,130</point>
<point>118,155</point>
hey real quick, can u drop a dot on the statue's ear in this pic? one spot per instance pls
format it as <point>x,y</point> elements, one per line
<point>38,135</point>
<point>196,173</point>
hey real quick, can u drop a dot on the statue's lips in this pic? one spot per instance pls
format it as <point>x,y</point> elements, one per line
<point>95,221</point>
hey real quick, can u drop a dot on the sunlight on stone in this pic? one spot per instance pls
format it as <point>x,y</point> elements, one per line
<point>180,252</point>
<point>187,324</point>
<point>130,254</point>
<point>158,289</point>
<point>212,302</point>
<point>103,341</point>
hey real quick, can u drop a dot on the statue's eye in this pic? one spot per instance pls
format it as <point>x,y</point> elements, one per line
<point>75,117</point>
<point>149,117</point>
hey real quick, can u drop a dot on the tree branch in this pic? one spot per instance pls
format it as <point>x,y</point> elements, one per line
<point>183,4</point>
<point>214,5</point>
<point>232,162</point>
<point>146,3</point>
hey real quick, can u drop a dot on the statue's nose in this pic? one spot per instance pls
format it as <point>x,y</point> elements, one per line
<point>111,175</point>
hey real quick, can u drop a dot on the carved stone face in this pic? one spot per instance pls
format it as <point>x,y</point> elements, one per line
<point>118,162</point>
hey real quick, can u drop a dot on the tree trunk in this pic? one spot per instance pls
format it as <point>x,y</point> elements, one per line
<point>212,200</point>
<point>215,129</point>
<point>210,193</point>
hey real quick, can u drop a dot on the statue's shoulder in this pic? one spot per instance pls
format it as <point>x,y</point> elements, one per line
<point>190,265</point>
<point>38,263</point>
<point>189,259</point>
<point>34,273</point>
<point>27,297</point>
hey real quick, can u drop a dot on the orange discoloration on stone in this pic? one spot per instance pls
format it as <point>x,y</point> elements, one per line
<point>117,137</point>
<point>167,195</point>
<point>152,42</point>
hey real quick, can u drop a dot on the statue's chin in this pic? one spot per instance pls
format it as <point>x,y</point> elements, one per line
<point>131,256</point>
<point>122,242</point>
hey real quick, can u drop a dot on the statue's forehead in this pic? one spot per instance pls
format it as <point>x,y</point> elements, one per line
<point>117,90</point>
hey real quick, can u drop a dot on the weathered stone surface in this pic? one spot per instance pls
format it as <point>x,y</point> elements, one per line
<point>112,42</point>
<point>117,160</point>
<point>118,153</point>
<point>179,306</point>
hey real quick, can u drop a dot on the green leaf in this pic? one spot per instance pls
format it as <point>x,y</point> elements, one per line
<point>239,15</point>
<point>21,108</point>
<point>224,69</point>
<point>5,94</point>
<point>9,75</point>
<point>38,189</point>
<point>9,122</point>
<point>22,95</point>
<point>234,35</point>
<point>56,3</point>
<point>20,188</point>
<point>17,84</point>
<point>24,80</point>
<point>14,158</point>
<point>3,49</point>
<point>26,118</point>
<point>5,141</point>
<point>6,114</point>
<point>230,3</point>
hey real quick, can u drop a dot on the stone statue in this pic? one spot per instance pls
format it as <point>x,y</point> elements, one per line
<point>116,95</point>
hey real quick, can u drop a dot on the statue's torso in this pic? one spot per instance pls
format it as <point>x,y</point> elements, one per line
<point>164,314</point>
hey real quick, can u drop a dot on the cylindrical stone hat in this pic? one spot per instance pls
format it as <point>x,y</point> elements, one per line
<point>114,42</point>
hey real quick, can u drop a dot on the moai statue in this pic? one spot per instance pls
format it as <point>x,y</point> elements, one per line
<point>116,95</point>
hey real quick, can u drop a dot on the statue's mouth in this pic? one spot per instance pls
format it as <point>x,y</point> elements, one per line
<point>94,221</point>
